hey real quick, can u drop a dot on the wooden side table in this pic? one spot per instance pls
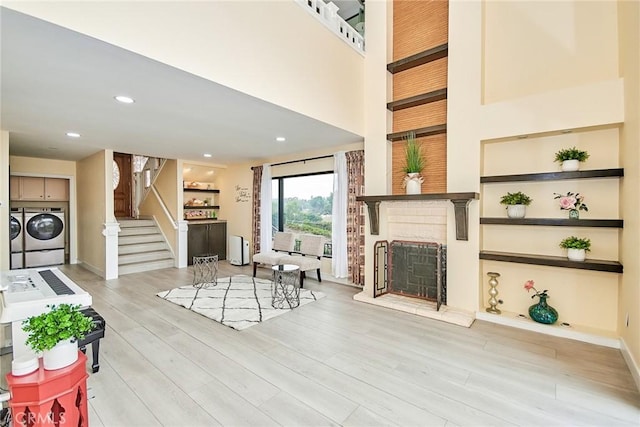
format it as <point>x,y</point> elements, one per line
<point>57,397</point>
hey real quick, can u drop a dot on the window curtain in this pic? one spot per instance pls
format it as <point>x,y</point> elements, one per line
<point>255,231</point>
<point>339,261</point>
<point>355,216</point>
<point>266,235</point>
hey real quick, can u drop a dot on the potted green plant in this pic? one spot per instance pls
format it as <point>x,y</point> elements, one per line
<point>55,333</point>
<point>570,158</point>
<point>576,247</point>
<point>516,204</point>
<point>414,164</point>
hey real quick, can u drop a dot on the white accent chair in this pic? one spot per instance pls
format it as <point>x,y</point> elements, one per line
<point>282,246</point>
<point>310,257</point>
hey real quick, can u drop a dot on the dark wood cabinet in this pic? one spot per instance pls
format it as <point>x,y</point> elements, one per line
<point>207,239</point>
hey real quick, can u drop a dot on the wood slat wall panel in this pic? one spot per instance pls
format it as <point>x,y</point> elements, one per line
<point>419,25</point>
<point>422,79</point>
<point>434,149</point>
<point>425,115</point>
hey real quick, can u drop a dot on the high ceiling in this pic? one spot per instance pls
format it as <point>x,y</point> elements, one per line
<point>55,81</point>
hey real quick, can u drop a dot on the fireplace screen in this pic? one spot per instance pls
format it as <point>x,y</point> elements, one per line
<point>416,269</point>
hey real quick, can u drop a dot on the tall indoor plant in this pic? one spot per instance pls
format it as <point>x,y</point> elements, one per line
<point>55,334</point>
<point>414,164</point>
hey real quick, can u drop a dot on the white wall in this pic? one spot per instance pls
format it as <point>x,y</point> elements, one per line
<point>239,44</point>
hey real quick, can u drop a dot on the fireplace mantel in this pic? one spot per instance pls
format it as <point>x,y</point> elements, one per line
<point>460,204</point>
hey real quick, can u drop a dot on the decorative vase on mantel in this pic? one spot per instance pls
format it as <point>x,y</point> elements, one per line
<point>413,183</point>
<point>543,312</point>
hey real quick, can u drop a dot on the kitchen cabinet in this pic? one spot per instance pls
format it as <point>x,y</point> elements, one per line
<point>34,188</point>
<point>207,238</point>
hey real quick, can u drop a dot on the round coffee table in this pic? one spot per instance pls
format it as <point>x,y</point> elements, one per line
<point>285,287</point>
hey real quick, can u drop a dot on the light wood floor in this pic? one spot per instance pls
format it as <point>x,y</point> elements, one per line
<point>337,362</point>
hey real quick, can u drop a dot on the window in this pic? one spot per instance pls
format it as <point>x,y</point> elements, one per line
<point>303,205</point>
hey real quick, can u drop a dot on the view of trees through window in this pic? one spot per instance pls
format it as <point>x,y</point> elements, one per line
<point>303,204</point>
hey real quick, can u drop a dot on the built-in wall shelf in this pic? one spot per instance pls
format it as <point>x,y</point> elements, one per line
<point>611,223</point>
<point>414,101</point>
<point>554,176</point>
<point>202,190</point>
<point>418,59</point>
<point>201,207</point>
<point>420,132</point>
<point>553,261</point>
<point>460,204</point>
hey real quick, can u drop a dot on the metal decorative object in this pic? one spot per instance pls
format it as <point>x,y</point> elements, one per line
<point>285,288</point>
<point>493,293</point>
<point>205,271</point>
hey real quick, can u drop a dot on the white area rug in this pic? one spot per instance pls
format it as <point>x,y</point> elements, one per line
<point>238,302</point>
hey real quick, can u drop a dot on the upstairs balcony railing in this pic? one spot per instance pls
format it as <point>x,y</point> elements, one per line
<point>327,13</point>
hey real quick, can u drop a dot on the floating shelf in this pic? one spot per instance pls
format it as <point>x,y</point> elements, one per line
<point>553,261</point>
<point>414,101</point>
<point>611,223</point>
<point>460,204</point>
<point>420,132</point>
<point>418,59</point>
<point>554,176</point>
<point>202,190</point>
<point>202,207</point>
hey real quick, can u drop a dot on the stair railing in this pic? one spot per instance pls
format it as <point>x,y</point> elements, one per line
<point>145,179</point>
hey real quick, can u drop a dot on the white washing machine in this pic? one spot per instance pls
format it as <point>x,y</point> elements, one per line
<point>43,237</point>
<point>16,233</point>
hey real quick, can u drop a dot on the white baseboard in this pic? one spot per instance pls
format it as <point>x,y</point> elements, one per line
<point>631,363</point>
<point>573,332</point>
<point>92,269</point>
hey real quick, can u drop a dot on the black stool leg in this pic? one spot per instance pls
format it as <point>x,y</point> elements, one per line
<point>95,349</point>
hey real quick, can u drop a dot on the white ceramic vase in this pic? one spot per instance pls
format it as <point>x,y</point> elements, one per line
<point>516,211</point>
<point>64,353</point>
<point>413,183</point>
<point>570,165</point>
<point>576,254</point>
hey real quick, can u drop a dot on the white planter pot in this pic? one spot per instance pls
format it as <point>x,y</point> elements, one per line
<point>576,254</point>
<point>516,211</point>
<point>65,353</point>
<point>570,165</point>
<point>413,183</point>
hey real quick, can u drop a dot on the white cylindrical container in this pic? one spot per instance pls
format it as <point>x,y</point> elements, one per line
<point>570,165</point>
<point>576,254</point>
<point>516,211</point>
<point>64,353</point>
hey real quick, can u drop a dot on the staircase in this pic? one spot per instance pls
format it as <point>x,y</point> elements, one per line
<point>142,247</point>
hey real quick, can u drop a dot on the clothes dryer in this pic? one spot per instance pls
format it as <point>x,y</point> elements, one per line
<point>44,237</point>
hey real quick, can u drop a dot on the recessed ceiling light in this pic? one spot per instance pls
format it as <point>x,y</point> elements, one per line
<point>73,134</point>
<point>187,170</point>
<point>207,155</point>
<point>281,139</point>
<point>209,172</point>
<point>124,99</point>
